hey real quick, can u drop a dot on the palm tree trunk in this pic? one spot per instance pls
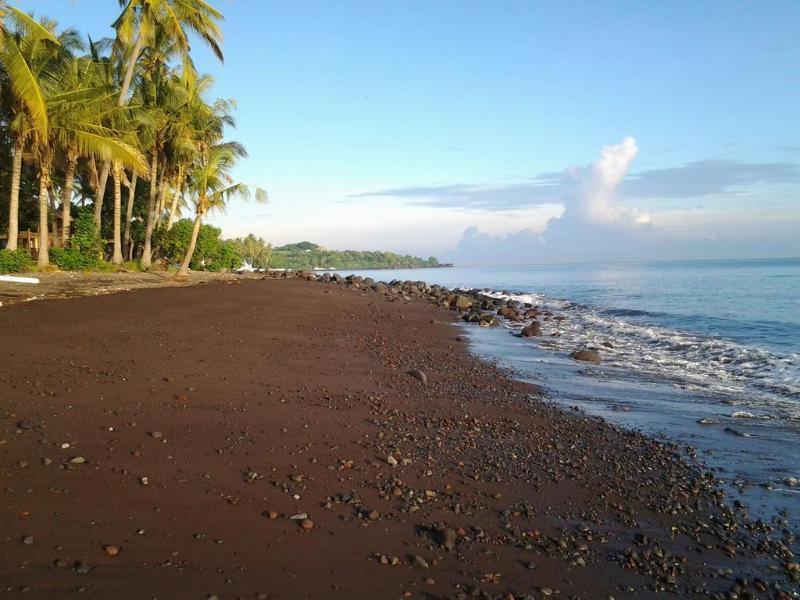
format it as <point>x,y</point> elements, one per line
<point>100,194</point>
<point>184,270</point>
<point>162,194</point>
<point>51,197</point>
<point>126,82</point>
<point>129,216</point>
<point>13,207</point>
<point>69,182</point>
<point>148,231</point>
<point>116,259</point>
<point>173,209</point>
<point>44,255</point>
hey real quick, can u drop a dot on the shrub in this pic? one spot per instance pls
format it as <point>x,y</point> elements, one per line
<point>85,247</point>
<point>15,261</point>
<point>86,239</point>
<point>71,259</point>
<point>227,258</point>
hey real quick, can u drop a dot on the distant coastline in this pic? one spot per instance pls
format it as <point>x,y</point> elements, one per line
<point>398,268</point>
<point>311,256</point>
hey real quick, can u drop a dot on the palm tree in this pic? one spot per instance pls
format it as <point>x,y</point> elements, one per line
<point>210,183</point>
<point>76,120</point>
<point>143,26</point>
<point>141,21</point>
<point>22,97</point>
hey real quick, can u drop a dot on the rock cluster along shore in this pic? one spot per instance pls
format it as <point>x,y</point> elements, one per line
<point>477,307</point>
<point>291,439</point>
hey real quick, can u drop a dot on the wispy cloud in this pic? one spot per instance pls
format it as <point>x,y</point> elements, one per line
<point>692,180</point>
<point>707,178</point>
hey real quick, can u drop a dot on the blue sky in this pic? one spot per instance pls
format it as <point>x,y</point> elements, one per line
<point>403,125</point>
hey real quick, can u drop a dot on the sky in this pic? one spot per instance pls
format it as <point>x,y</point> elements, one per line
<point>510,132</point>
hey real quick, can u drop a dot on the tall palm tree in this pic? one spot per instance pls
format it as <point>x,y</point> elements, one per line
<point>75,122</point>
<point>142,26</point>
<point>211,185</point>
<point>22,96</point>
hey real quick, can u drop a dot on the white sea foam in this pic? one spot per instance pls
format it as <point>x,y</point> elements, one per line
<point>759,381</point>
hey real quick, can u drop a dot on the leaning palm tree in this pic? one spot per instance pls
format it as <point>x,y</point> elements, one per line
<point>211,185</point>
<point>143,26</point>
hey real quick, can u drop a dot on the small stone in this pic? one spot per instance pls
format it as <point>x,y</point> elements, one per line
<point>307,524</point>
<point>77,460</point>
<point>272,514</point>
<point>391,460</point>
<point>446,537</point>
<point>156,435</point>
<point>27,540</point>
<point>420,562</point>
<point>81,568</point>
<point>144,481</point>
<point>299,517</point>
<point>374,515</point>
<point>419,375</point>
<point>111,550</point>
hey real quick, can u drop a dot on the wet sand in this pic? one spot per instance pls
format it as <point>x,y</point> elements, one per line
<point>158,443</point>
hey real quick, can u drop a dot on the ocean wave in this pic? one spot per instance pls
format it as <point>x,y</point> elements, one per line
<point>754,378</point>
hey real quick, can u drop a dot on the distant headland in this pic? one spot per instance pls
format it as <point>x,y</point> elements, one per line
<point>308,255</point>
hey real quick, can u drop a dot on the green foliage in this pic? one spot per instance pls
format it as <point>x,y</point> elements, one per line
<point>15,261</point>
<point>299,247</point>
<point>85,247</point>
<point>210,254</point>
<point>254,251</point>
<point>70,259</point>
<point>85,239</point>
<point>227,258</point>
<point>306,255</point>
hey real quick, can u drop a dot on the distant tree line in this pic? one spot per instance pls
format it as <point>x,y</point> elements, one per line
<point>307,255</point>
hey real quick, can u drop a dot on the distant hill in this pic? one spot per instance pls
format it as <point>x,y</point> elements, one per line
<point>299,247</point>
<point>307,255</point>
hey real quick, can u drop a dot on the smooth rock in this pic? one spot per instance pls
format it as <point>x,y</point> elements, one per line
<point>585,355</point>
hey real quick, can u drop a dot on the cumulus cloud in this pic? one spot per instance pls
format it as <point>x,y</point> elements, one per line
<point>591,191</point>
<point>594,222</point>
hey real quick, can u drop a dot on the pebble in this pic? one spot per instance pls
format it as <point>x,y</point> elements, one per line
<point>156,435</point>
<point>307,524</point>
<point>111,550</point>
<point>420,562</point>
<point>77,460</point>
<point>391,460</point>
<point>419,375</point>
<point>27,540</point>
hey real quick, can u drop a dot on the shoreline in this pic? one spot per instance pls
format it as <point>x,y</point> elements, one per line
<point>488,488</point>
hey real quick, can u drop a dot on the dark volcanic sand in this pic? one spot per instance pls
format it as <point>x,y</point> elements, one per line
<point>237,399</point>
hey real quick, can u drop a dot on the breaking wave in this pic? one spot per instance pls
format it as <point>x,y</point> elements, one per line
<point>763,382</point>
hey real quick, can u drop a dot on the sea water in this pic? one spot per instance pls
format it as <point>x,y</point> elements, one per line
<point>706,353</point>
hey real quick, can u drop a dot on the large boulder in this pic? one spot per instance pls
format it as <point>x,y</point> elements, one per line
<point>463,302</point>
<point>586,355</point>
<point>534,329</point>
